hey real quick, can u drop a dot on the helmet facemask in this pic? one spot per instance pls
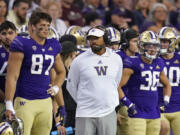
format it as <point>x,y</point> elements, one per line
<point>168,34</point>
<point>147,48</point>
<point>149,45</point>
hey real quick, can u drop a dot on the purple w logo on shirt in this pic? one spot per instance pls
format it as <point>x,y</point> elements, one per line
<point>101,70</point>
<point>22,103</point>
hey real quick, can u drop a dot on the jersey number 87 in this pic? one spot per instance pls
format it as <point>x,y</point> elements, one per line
<point>37,63</point>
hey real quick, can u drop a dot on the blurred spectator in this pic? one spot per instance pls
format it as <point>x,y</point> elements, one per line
<point>55,10</point>
<point>18,14</point>
<point>10,4</point>
<point>130,17</point>
<point>79,3</point>
<point>95,6</point>
<point>43,4</point>
<point>91,19</point>
<point>33,6</point>
<point>152,2</point>
<point>142,10</point>
<point>71,14</point>
<point>174,15</point>
<point>91,5</point>
<point>130,4</point>
<point>118,19</point>
<point>3,11</point>
<point>157,18</point>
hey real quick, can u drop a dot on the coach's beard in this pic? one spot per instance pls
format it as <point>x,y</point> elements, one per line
<point>96,48</point>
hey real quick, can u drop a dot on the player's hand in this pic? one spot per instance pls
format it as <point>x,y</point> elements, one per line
<point>163,108</point>
<point>119,118</point>
<point>10,112</point>
<point>53,90</point>
<point>132,110</point>
<point>61,130</point>
<point>9,115</point>
<point>62,113</point>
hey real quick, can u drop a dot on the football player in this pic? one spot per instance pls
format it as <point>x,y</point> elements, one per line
<point>128,48</point>
<point>30,61</point>
<point>7,34</point>
<point>115,37</point>
<point>143,73</point>
<point>77,32</point>
<point>171,116</point>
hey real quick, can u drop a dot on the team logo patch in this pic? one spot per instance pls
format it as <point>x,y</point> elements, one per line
<point>34,47</point>
<point>157,67</point>
<point>142,65</point>
<point>176,62</point>
<point>3,55</point>
<point>167,63</point>
<point>100,62</point>
<point>101,70</point>
<point>43,50</point>
<point>151,67</point>
<point>22,103</point>
<point>50,48</point>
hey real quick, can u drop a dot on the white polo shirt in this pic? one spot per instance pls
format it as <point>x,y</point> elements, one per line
<point>93,81</point>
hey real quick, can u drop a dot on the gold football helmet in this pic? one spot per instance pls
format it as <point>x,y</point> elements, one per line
<point>169,34</point>
<point>53,33</point>
<point>77,32</point>
<point>148,38</point>
<point>114,35</point>
<point>5,129</point>
<point>13,127</point>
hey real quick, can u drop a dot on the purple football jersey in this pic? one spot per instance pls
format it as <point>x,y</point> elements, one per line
<point>3,65</point>
<point>172,70</point>
<point>123,56</point>
<point>34,78</point>
<point>142,86</point>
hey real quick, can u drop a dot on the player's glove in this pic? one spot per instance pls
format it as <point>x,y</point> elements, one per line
<point>132,110</point>
<point>165,105</point>
<point>62,113</point>
<point>131,107</point>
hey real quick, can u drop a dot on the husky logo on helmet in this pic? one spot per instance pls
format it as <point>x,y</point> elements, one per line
<point>114,35</point>
<point>77,32</point>
<point>168,34</point>
<point>148,38</point>
<point>13,127</point>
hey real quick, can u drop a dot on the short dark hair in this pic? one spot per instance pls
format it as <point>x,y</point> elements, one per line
<point>17,2</point>
<point>7,25</point>
<point>91,16</point>
<point>71,38</point>
<point>37,16</point>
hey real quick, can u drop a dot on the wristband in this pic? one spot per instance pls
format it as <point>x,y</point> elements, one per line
<point>9,106</point>
<point>56,88</point>
<point>126,102</point>
<point>166,98</point>
<point>58,124</point>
